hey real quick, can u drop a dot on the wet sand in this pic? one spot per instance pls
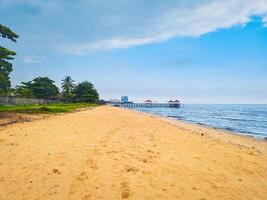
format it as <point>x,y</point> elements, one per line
<point>112,153</point>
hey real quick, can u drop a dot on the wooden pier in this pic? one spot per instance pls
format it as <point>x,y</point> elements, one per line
<point>145,105</point>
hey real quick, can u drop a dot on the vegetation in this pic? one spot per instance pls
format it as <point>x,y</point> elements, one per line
<point>48,108</point>
<point>40,88</point>
<point>44,88</point>
<point>85,92</point>
<point>23,92</point>
<point>5,32</point>
<point>5,56</point>
<point>67,86</point>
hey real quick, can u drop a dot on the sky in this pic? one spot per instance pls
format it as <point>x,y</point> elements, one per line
<point>197,51</point>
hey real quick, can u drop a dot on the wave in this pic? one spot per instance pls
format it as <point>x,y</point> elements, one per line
<point>229,129</point>
<point>244,120</point>
<point>199,123</point>
<point>175,116</point>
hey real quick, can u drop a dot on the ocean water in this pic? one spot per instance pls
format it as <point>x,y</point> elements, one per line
<point>243,119</point>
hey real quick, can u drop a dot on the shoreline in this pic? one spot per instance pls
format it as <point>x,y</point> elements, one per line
<point>200,125</point>
<point>242,134</point>
<point>213,133</point>
<point>115,153</point>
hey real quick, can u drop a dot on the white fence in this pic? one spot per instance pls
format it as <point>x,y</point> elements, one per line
<point>24,101</point>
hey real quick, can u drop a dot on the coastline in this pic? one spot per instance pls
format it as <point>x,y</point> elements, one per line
<point>115,153</point>
<point>243,119</point>
<point>173,119</point>
<point>210,131</point>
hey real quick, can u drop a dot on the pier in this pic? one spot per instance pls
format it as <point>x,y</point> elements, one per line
<point>125,103</point>
<point>145,105</point>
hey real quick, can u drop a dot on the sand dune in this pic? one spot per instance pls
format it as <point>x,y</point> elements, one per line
<point>111,153</point>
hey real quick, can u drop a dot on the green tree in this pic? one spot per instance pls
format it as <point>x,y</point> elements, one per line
<point>85,92</point>
<point>5,56</point>
<point>40,88</point>
<point>5,32</point>
<point>23,92</point>
<point>67,86</point>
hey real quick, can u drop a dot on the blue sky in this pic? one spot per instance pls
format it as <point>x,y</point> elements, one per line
<point>201,51</point>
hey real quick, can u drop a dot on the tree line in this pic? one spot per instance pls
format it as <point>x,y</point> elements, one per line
<point>40,87</point>
<point>45,88</point>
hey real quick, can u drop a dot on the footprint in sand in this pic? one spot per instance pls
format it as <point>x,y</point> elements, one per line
<point>125,190</point>
<point>79,187</point>
<point>53,189</point>
<point>91,163</point>
<point>56,171</point>
<point>150,151</point>
<point>145,160</point>
<point>131,169</point>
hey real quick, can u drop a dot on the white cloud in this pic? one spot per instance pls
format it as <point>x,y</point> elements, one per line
<point>33,59</point>
<point>172,21</point>
<point>114,43</point>
<point>93,25</point>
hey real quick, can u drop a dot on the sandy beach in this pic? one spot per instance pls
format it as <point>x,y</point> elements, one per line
<point>112,153</point>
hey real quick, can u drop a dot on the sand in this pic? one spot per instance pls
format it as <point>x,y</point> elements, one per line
<point>112,153</point>
<point>12,118</point>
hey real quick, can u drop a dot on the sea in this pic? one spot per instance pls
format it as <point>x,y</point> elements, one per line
<point>238,118</point>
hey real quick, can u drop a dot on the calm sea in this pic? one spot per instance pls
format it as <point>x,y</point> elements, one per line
<point>244,119</point>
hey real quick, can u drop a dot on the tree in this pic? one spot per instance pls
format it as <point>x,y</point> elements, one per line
<point>5,56</point>
<point>67,86</point>
<point>23,92</point>
<point>5,32</point>
<point>40,88</point>
<point>85,92</point>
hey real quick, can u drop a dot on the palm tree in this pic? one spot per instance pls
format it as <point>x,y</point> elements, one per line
<point>67,86</point>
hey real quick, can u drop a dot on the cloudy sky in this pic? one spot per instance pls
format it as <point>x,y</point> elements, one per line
<point>199,51</point>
